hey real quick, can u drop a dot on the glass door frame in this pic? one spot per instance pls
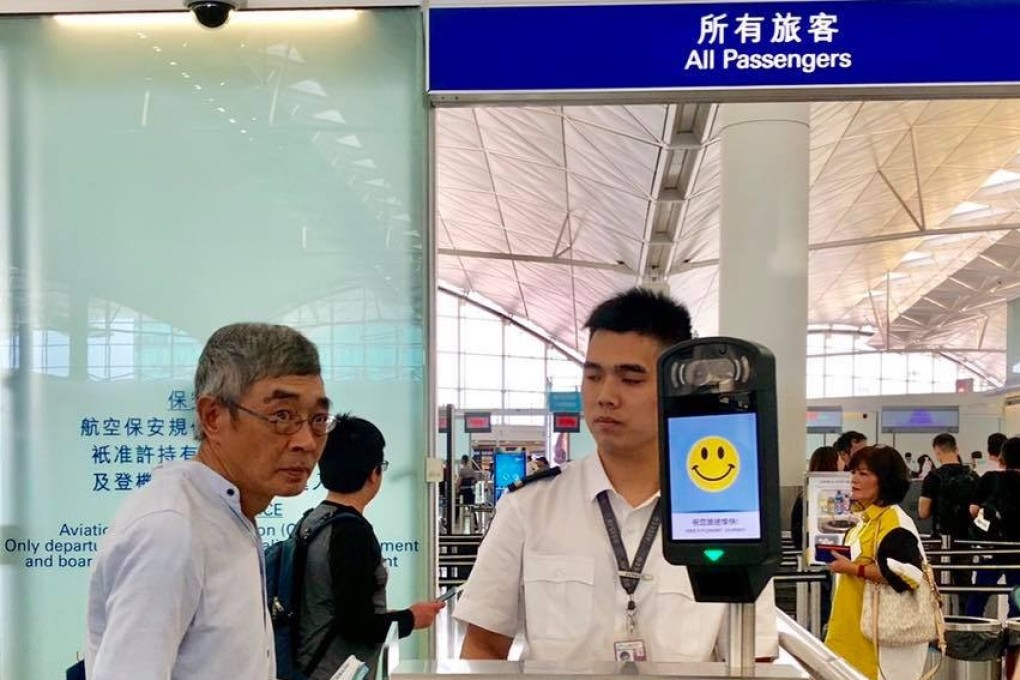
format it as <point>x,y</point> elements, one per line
<point>428,578</point>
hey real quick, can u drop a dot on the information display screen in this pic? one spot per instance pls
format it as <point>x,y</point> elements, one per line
<point>825,420</point>
<point>507,469</point>
<point>931,419</point>
<point>714,485</point>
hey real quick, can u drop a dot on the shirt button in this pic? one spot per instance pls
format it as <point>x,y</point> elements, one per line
<point>230,492</point>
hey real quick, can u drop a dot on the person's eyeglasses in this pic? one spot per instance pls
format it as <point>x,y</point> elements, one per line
<point>384,465</point>
<point>288,422</point>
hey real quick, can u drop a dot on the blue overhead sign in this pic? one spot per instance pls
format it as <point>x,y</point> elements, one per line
<point>843,43</point>
<point>565,402</point>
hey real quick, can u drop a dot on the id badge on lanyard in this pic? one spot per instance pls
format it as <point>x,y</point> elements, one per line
<point>629,645</point>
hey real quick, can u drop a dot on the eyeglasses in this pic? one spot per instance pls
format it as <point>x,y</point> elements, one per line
<point>384,465</point>
<point>287,422</point>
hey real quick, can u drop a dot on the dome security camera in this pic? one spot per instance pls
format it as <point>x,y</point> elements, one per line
<point>211,13</point>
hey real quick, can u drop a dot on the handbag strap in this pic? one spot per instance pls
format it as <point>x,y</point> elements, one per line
<point>874,627</point>
<point>940,621</point>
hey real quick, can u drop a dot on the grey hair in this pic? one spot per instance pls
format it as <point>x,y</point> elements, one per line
<point>239,355</point>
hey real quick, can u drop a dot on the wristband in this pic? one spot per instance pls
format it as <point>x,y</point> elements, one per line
<point>860,571</point>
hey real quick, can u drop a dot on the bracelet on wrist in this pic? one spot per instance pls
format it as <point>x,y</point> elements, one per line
<point>860,571</point>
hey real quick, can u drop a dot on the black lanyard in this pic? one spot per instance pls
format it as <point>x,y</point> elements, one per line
<point>629,572</point>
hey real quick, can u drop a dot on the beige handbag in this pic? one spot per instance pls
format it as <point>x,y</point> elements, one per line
<point>894,619</point>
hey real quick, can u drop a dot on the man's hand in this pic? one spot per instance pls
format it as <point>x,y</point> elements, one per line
<point>425,613</point>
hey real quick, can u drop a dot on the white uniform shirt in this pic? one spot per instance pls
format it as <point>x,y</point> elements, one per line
<point>546,570</point>
<point>177,588</point>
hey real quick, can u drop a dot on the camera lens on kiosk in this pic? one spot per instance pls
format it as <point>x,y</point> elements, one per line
<point>697,373</point>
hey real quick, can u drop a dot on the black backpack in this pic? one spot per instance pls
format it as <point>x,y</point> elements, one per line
<point>957,487</point>
<point>285,571</point>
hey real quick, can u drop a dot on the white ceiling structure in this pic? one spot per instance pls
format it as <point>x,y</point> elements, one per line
<point>545,211</point>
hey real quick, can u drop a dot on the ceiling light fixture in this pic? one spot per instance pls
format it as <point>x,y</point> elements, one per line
<point>312,18</point>
<point>968,207</point>
<point>1000,177</point>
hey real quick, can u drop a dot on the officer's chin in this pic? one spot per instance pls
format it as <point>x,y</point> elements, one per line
<point>613,444</point>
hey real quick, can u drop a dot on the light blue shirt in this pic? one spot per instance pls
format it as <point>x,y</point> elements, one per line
<point>177,588</point>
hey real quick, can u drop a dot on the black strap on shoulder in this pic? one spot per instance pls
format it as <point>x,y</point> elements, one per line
<point>304,543</point>
<point>548,473</point>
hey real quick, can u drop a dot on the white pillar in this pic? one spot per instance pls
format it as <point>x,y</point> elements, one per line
<point>763,250</point>
<point>1012,343</point>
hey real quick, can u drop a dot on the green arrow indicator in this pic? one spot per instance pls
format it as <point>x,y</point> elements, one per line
<point>713,554</point>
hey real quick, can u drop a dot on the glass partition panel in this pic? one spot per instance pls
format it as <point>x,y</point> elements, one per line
<point>159,180</point>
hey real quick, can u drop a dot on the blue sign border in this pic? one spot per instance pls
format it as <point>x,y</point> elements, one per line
<point>627,47</point>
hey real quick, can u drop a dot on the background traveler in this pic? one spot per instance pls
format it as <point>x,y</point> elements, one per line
<point>998,502</point>
<point>343,604</point>
<point>885,533</point>
<point>946,495</point>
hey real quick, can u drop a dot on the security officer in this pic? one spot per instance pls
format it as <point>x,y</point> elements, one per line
<point>547,568</point>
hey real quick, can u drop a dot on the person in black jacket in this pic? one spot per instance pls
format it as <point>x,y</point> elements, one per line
<point>998,496</point>
<point>343,606</point>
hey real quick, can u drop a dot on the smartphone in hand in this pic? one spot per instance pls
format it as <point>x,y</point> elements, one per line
<point>449,594</point>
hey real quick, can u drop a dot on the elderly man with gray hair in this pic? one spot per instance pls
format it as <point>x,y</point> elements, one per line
<point>177,589</point>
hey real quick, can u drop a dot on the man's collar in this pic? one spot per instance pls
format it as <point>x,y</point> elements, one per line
<point>595,479</point>
<point>215,485</point>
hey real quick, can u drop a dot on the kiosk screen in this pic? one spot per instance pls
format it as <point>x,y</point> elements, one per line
<point>714,479</point>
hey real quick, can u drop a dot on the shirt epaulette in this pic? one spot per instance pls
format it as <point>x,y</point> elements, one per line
<point>548,473</point>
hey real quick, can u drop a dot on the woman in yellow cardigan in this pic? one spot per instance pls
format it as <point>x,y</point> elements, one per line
<point>884,548</point>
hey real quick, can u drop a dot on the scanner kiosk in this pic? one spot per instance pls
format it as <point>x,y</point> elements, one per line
<point>720,476</point>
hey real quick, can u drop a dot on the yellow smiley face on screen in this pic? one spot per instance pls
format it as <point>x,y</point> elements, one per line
<point>713,464</point>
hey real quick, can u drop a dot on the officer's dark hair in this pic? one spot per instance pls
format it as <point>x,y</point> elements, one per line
<point>645,312</point>
<point>995,442</point>
<point>846,440</point>
<point>944,441</point>
<point>1011,453</point>
<point>888,466</point>
<point>354,449</point>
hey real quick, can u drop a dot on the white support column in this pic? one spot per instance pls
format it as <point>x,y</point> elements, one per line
<point>1012,343</point>
<point>763,252</point>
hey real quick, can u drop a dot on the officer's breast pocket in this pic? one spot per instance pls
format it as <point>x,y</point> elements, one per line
<point>685,630</point>
<point>558,594</point>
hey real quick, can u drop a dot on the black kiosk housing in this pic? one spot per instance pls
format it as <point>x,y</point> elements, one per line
<point>719,462</point>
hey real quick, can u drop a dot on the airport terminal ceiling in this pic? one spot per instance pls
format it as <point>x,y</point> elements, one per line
<point>547,210</point>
